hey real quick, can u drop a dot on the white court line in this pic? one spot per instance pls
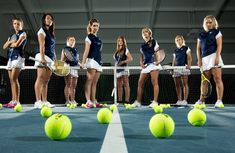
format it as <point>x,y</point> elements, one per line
<point>114,141</point>
<point>12,114</point>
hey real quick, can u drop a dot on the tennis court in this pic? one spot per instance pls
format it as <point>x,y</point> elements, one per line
<point>127,132</point>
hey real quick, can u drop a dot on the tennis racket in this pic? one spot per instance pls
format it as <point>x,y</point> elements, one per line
<point>12,38</point>
<point>158,56</point>
<point>59,68</point>
<point>206,87</point>
<point>69,55</point>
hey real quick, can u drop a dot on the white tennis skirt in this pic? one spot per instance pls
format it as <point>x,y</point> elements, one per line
<point>92,64</point>
<point>38,57</point>
<point>74,73</point>
<point>208,62</point>
<point>181,72</point>
<point>125,71</point>
<point>151,67</point>
<point>17,63</point>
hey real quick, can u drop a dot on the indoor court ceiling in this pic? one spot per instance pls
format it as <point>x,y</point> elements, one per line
<point>167,19</point>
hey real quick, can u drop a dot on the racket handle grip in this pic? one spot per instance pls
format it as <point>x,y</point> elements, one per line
<point>31,58</point>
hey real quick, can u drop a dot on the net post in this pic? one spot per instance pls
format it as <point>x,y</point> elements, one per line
<point>115,84</point>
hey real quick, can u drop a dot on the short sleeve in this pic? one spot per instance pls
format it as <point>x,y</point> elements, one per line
<point>188,50</point>
<point>88,40</point>
<point>218,35</point>
<point>198,40</point>
<point>156,45</point>
<point>41,31</point>
<point>141,51</point>
<point>127,51</point>
<point>23,34</point>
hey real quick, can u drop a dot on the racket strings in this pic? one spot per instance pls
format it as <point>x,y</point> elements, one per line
<point>159,56</point>
<point>61,68</point>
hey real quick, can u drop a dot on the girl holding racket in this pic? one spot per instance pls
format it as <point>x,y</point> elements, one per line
<point>92,61</point>
<point>209,47</point>
<point>181,57</point>
<point>122,57</point>
<point>15,45</point>
<point>45,54</point>
<point>148,48</point>
<point>71,79</point>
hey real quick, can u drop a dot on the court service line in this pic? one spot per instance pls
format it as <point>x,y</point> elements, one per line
<point>114,141</point>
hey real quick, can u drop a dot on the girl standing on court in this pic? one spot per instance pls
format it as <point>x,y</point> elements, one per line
<point>92,61</point>
<point>148,48</point>
<point>15,45</point>
<point>45,54</point>
<point>71,79</point>
<point>122,57</point>
<point>181,57</point>
<point>209,47</point>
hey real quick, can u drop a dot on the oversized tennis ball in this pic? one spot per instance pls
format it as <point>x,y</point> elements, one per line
<point>58,127</point>
<point>18,108</point>
<point>113,107</point>
<point>157,109</point>
<point>46,112</point>
<point>197,117</point>
<point>161,126</point>
<point>104,115</point>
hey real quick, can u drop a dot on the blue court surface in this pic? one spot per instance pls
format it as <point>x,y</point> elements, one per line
<point>128,131</point>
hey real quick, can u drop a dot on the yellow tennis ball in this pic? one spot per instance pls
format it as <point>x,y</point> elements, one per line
<point>58,127</point>
<point>129,106</point>
<point>203,106</point>
<point>158,109</point>
<point>72,106</point>
<point>18,108</point>
<point>221,105</point>
<point>197,117</point>
<point>0,105</point>
<point>198,106</point>
<point>68,105</point>
<point>168,106</point>
<point>104,115</point>
<point>113,107</point>
<point>83,105</point>
<point>46,112</point>
<point>161,125</point>
<point>163,105</point>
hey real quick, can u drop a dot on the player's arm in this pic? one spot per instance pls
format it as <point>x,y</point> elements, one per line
<point>41,41</point>
<point>199,54</point>
<point>129,58</point>
<point>62,58</point>
<point>19,41</point>
<point>189,59</point>
<point>142,61</point>
<point>173,60</point>
<point>218,50</point>
<point>86,52</point>
<point>7,44</point>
